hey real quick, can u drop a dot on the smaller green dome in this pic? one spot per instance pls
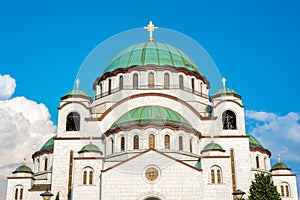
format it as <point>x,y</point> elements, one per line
<point>253,142</point>
<point>90,148</point>
<point>279,166</point>
<point>23,169</point>
<point>49,144</point>
<point>212,147</point>
<point>225,90</point>
<point>77,91</point>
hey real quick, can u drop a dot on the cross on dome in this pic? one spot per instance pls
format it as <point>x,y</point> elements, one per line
<point>224,81</point>
<point>91,139</point>
<point>150,28</point>
<point>77,83</point>
<point>278,158</point>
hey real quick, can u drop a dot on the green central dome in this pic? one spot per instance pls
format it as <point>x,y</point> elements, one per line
<point>155,53</point>
<point>151,115</point>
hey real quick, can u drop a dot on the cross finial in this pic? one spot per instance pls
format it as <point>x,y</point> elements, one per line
<point>278,157</point>
<point>24,161</point>
<point>77,83</point>
<point>91,138</point>
<point>212,139</point>
<point>150,28</point>
<point>224,81</point>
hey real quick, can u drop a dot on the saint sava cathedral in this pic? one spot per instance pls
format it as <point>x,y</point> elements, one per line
<point>150,132</point>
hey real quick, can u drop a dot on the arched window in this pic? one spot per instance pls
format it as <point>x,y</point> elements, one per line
<point>121,82</point>
<point>167,142</point>
<point>73,122</point>
<point>181,82</point>
<point>265,163</point>
<point>112,145</point>
<point>38,165</point>
<point>91,178</point>
<point>151,141</point>
<point>229,120</point>
<point>122,143</point>
<point>46,164</point>
<point>166,81</point>
<point>257,162</point>
<point>216,174</point>
<point>201,84</point>
<point>109,86</point>
<point>84,178</point>
<point>135,81</point>
<point>101,89</point>
<point>18,192</point>
<point>151,80</point>
<point>136,142</point>
<point>193,85</point>
<point>191,145</point>
<point>282,190</point>
<point>180,143</point>
<point>87,176</point>
<point>285,190</point>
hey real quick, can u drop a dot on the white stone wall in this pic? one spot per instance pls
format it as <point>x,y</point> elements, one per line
<point>284,179</point>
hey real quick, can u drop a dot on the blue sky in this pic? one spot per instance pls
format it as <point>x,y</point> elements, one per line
<point>255,45</point>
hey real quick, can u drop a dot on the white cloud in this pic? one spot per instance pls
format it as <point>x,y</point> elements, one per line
<point>24,126</point>
<point>7,86</point>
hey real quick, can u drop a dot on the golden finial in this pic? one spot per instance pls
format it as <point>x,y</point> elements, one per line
<point>24,161</point>
<point>91,138</point>
<point>77,83</point>
<point>150,28</point>
<point>212,139</point>
<point>278,158</point>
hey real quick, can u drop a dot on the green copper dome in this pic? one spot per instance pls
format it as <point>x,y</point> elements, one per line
<point>279,166</point>
<point>225,90</point>
<point>49,144</point>
<point>77,91</point>
<point>212,147</point>
<point>155,53</point>
<point>90,148</point>
<point>253,142</point>
<point>151,115</point>
<point>23,168</point>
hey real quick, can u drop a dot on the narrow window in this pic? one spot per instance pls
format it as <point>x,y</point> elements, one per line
<point>219,176</point>
<point>282,191</point>
<point>21,193</point>
<point>180,141</point>
<point>73,122</point>
<point>46,164</point>
<point>109,86</point>
<point>122,143</point>
<point>151,141</point>
<point>91,178</point>
<point>101,89</point>
<point>191,145</point>
<point>180,82</point>
<point>84,177</point>
<point>112,146</point>
<point>257,161</point>
<point>136,142</point>
<point>229,120</point>
<point>287,191</point>
<point>167,142</point>
<point>16,193</point>
<point>166,81</point>
<point>121,82</point>
<point>135,81</point>
<point>212,174</point>
<point>265,163</point>
<point>201,84</point>
<point>193,85</point>
<point>151,80</point>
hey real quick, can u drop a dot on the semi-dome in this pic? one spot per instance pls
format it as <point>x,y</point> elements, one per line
<point>280,166</point>
<point>90,148</point>
<point>253,142</point>
<point>23,169</point>
<point>46,148</point>
<point>155,115</point>
<point>212,147</point>
<point>155,53</point>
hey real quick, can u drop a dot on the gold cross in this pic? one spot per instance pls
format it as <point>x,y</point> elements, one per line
<point>150,28</point>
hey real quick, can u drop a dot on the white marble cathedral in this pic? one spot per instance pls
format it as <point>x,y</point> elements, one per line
<point>151,132</point>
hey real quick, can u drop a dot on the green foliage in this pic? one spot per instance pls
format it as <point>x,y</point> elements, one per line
<point>263,188</point>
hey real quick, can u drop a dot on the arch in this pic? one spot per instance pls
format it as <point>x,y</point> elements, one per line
<point>87,176</point>
<point>18,192</point>
<point>122,145</point>
<point>152,198</point>
<point>166,81</point>
<point>167,141</point>
<point>285,189</point>
<point>136,142</point>
<point>229,120</point>
<point>257,161</point>
<point>151,80</point>
<point>135,81</point>
<point>73,122</point>
<point>181,82</point>
<point>121,82</point>
<point>216,174</point>
<point>180,143</point>
<point>151,141</point>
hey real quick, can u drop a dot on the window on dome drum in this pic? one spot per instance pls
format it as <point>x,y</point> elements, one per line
<point>112,145</point>
<point>101,89</point>
<point>191,145</point>
<point>166,81</point>
<point>285,190</point>
<point>109,86</point>
<point>151,141</point>
<point>180,82</point>
<point>87,176</point>
<point>216,175</point>
<point>122,143</point>
<point>201,87</point>
<point>73,122</point>
<point>257,162</point>
<point>167,142</point>
<point>193,85</point>
<point>180,143</point>
<point>136,142</point>
<point>121,82</point>
<point>229,120</point>
<point>45,164</point>
<point>151,80</point>
<point>135,81</point>
<point>18,193</point>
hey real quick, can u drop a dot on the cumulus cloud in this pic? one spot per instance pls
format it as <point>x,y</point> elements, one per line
<point>7,86</point>
<point>24,126</point>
